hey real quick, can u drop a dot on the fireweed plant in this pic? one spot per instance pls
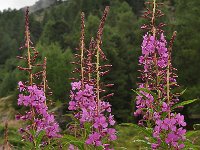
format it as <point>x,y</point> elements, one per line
<point>155,100</point>
<point>92,113</point>
<point>41,125</point>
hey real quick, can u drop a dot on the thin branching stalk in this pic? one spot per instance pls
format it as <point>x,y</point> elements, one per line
<point>82,46</point>
<point>156,102</point>
<point>98,53</point>
<point>37,80</point>
<point>97,76</point>
<point>153,19</point>
<point>169,68</point>
<point>92,108</point>
<point>44,76</point>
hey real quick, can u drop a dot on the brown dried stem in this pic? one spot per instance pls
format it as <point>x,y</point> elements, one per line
<point>6,145</point>
<point>98,53</point>
<point>169,68</point>
<point>82,47</point>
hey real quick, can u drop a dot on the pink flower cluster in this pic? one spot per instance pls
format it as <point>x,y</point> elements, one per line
<point>141,102</point>
<point>150,46</point>
<point>83,103</point>
<point>42,120</point>
<point>154,57</point>
<point>144,100</point>
<point>154,60</point>
<point>172,129</point>
<point>168,127</point>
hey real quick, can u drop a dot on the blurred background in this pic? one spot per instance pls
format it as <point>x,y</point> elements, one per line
<point>55,31</point>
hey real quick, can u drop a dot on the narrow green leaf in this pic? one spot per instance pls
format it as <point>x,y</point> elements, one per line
<point>39,138</point>
<point>87,127</point>
<point>138,93</point>
<point>28,145</point>
<point>183,92</point>
<point>146,131</point>
<point>184,103</point>
<point>73,140</point>
<point>148,91</point>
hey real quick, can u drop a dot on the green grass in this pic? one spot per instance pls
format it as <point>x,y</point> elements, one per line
<point>14,137</point>
<point>129,138</point>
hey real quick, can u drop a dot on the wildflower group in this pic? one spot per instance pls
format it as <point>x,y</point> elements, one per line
<point>93,124</point>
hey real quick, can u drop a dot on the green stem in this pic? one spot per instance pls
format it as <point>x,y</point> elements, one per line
<point>97,76</point>
<point>82,67</point>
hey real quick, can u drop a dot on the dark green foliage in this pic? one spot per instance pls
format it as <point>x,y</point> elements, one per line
<point>187,49</point>
<point>10,33</point>
<point>188,40</point>
<point>58,70</point>
<point>54,31</point>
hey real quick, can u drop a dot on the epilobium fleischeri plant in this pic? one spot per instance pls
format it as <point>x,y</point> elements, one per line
<point>41,125</point>
<point>156,100</point>
<point>92,112</point>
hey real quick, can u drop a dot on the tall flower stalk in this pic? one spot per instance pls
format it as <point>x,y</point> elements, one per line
<point>86,101</point>
<point>41,125</point>
<point>156,100</point>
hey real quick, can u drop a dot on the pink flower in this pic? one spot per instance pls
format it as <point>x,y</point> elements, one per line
<point>34,97</point>
<point>112,134</point>
<point>171,138</point>
<point>72,105</point>
<point>71,147</point>
<point>165,107</point>
<point>100,122</point>
<point>148,45</point>
<point>94,139</point>
<point>83,102</point>
<point>21,86</point>
<point>76,85</point>
<point>111,119</point>
<point>181,146</point>
<point>180,119</point>
<point>175,134</point>
<point>154,146</point>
